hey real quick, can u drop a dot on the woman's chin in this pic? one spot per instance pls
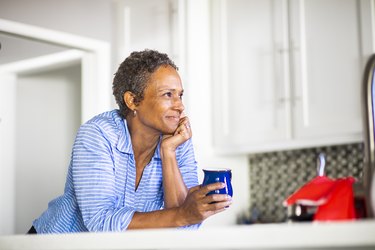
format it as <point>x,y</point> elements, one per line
<point>170,131</point>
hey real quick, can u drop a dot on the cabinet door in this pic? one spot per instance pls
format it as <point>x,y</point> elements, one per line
<point>250,69</point>
<point>330,42</point>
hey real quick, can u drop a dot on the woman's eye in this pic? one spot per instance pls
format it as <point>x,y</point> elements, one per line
<point>170,95</point>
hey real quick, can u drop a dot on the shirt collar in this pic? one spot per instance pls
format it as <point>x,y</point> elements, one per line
<point>124,143</point>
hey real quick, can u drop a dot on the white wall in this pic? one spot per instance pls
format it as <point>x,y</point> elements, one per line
<point>48,115</point>
<point>7,152</point>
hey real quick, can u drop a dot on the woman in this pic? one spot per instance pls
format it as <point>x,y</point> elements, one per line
<point>134,167</point>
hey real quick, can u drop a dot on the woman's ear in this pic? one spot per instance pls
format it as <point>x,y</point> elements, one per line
<point>129,100</point>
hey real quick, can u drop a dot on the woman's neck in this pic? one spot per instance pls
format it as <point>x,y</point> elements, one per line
<point>144,145</point>
<point>144,142</point>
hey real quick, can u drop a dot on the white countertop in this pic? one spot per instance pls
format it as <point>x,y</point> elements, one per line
<point>340,235</point>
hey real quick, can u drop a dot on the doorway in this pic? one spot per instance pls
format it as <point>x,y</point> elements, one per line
<point>47,116</point>
<point>43,100</point>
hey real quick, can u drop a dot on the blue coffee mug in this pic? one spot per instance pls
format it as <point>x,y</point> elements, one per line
<point>213,175</point>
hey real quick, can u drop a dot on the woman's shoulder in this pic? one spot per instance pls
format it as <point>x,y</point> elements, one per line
<point>109,122</point>
<point>109,117</point>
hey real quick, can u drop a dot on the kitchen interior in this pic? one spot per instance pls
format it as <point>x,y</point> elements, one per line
<point>269,85</point>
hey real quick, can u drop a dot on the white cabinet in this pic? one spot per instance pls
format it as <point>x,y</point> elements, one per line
<point>287,74</point>
<point>144,24</point>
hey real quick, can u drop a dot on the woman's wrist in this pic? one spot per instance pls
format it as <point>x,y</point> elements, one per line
<point>180,217</point>
<point>166,218</point>
<point>166,152</point>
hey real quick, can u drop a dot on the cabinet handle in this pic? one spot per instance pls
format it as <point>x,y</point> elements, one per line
<point>283,78</point>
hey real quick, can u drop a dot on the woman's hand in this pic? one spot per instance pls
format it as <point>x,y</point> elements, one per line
<point>181,135</point>
<point>198,206</point>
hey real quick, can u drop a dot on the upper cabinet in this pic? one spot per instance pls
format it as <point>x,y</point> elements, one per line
<point>145,24</point>
<point>288,74</point>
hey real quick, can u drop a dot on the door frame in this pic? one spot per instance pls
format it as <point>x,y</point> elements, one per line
<point>94,58</point>
<point>93,54</point>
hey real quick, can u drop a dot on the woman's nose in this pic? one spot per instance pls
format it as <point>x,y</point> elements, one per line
<point>178,105</point>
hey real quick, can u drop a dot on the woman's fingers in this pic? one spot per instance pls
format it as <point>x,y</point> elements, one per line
<point>182,134</point>
<point>211,187</point>
<point>216,198</point>
<point>222,200</point>
<point>184,129</point>
<point>185,123</point>
<point>198,205</point>
<point>194,189</point>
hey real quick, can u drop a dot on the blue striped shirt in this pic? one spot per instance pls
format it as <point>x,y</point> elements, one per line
<point>100,190</point>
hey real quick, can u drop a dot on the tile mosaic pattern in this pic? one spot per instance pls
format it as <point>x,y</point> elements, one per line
<point>274,176</point>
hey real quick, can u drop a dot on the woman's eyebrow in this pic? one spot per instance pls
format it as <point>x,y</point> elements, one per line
<point>171,90</point>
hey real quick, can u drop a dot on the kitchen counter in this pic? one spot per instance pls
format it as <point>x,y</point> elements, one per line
<point>339,235</point>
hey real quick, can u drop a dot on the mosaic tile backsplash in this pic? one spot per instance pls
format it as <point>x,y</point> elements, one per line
<point>274,176</point>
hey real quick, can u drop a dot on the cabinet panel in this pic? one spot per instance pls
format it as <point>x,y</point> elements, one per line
<point>327,55</point>
<point>288,74</point>
<point>249,99</point>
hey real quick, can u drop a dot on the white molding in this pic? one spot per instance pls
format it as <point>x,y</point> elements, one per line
<point>123,30</point>
<point>292,144</point>
<point>45,62</point>
<point>51,36</point>
<point>224,66</point>
<point>96,94</point>
<point>182,38</point>
<point>304,78</point>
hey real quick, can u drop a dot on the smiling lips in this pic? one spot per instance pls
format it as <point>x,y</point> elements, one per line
<point>174,119</point>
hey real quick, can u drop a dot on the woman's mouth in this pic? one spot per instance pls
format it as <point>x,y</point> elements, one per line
<point>173,119</point>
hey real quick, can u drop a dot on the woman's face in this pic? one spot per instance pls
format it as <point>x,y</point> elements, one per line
<point>161,108</point>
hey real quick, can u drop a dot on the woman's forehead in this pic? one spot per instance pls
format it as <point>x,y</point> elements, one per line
<point>165,78</point>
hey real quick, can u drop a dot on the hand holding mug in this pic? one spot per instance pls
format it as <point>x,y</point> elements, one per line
<point>198,205</point>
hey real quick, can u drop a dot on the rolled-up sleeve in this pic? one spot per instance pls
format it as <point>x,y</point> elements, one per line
<point>94,182</point>
<point>187,164</point>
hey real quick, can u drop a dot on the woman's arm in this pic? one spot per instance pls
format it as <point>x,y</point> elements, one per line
<point>175,190</point>
<point>196,208</point>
